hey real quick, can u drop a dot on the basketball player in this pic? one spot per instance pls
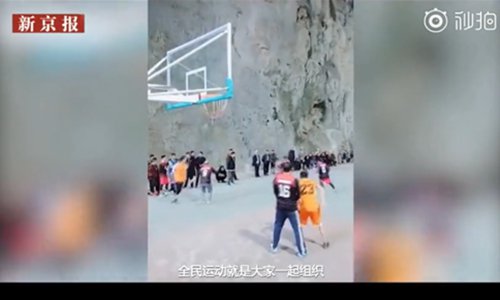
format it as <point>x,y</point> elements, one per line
<point>286,190</point>
<point>170,171</point>
<point>206,172</point>
<point>179,176</point>
<point>309,207</point>
<point>324,176</point>
<point>279,164</point>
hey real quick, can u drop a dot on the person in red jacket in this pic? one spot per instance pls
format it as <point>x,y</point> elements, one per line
<point>206,172</point>
<point>324,174</point>
<point>153,177</point>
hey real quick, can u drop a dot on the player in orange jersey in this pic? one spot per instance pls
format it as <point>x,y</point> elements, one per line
<point>309,206</point>
<point>180,176</point>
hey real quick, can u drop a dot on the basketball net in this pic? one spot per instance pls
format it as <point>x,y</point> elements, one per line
<point>215,110</point>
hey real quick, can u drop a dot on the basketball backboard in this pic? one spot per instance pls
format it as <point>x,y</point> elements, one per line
<point>196,72</point>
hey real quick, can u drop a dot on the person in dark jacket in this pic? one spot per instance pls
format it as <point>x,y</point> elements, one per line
<point>344,157</point>
<point>231,167</point>
<point>200,160</point>
<point>273,159</point>
<point>307,162</point>
<point>333,158</point>
<point>191,171</point>
<point>298,163</point>
<point>234,158</point>
<point>233,154</point>
<point>286,190</point>
<point>266,161</point>
<point>291,156</point>
<point>256,163</point>
<point>221,175</point>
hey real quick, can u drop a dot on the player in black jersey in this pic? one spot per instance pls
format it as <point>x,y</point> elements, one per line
<point>286,190</point>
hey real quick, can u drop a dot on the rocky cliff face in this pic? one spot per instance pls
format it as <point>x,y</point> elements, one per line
<point>292,70</point>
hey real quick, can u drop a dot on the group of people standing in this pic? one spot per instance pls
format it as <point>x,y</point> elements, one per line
<point>175,173</point>
<point>268,161</point>
<point>188,171</point>
<point>308,161</point>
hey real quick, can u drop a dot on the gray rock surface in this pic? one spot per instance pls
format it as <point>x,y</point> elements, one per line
<point>292,71</point>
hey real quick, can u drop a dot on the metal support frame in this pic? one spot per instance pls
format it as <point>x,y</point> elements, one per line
<point>180,59</point>
<point>185,92</point>
<point>194,72</point>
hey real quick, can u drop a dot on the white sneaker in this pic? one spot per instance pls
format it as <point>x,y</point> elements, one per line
<point>273,250</point>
